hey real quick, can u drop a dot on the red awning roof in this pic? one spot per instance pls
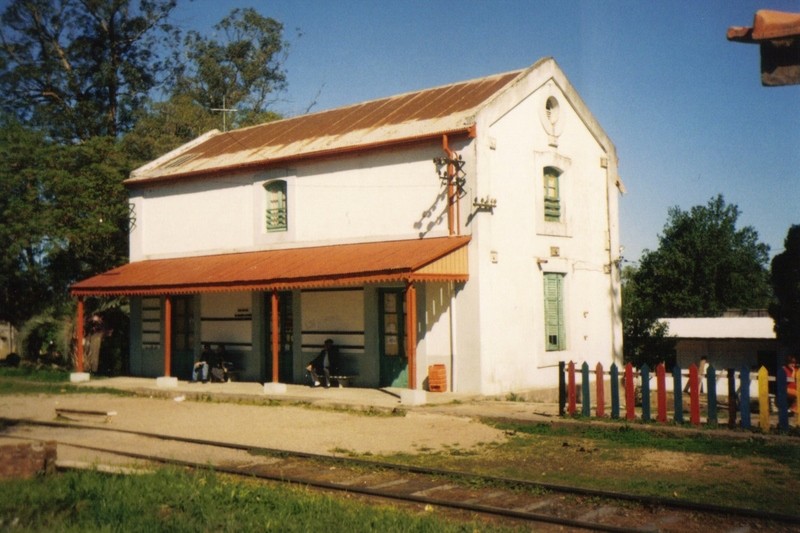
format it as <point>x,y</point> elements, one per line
<point>433,259</point>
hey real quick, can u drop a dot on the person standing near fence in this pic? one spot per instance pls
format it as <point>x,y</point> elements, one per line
<point>702,367</point>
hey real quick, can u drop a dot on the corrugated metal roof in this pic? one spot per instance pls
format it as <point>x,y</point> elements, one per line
<point>721,327</point>
<point>402,118</point>
<point>295,268</point>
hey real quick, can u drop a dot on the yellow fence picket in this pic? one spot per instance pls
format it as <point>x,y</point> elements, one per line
<point>763,399</point>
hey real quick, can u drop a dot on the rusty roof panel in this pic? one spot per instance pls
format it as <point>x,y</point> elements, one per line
<point>345,264</point>
<point>767,24</point>
<point>397,118</point>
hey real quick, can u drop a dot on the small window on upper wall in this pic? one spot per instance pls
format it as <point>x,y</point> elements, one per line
<point>552,201</point>
<point>276,215</point>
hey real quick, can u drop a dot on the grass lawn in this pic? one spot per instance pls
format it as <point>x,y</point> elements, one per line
<point>176,500</point>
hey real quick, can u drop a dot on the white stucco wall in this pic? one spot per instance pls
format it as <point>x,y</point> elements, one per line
<point>392,194</point>
<point>513,246</point>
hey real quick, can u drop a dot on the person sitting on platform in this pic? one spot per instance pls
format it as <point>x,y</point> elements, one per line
<point>219,365</point>
<point>324,364</point>
<point>200,367</point>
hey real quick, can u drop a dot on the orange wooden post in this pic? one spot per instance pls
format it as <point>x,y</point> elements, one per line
<point>601,397</point>
<point>630,399</point>
<point>571,389</point>
<point>411,334</point>
<point>694,395</point>
<point>763,398</point>
<point>276,335</point>
<point>167,335</point>
<point>79,319</point>
<point>661,378</point>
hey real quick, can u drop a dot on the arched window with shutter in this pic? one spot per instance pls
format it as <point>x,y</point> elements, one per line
<point>552,200</point>
<point>276,215</point>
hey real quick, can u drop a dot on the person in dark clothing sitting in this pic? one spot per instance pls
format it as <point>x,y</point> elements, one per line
<point>324,364</point>
<point>219,364</point>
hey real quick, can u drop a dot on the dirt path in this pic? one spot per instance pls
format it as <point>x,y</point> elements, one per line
<point>280,427</point>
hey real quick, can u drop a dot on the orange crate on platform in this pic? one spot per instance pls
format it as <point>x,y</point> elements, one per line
<point>437,378</point>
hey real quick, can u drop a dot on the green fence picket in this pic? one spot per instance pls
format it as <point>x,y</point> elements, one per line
<point>744,396</point>
<point>586,398</point>
<point>677,391</point>
<point>614,371</point>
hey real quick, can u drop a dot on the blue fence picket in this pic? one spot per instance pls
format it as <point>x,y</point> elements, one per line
<point>645,373</point>
<point>677,391</point>
<point>711,383</point>
<point>731,398</point>
<point>744,396</point>
<point>614,371</point>
<point>586,398</point>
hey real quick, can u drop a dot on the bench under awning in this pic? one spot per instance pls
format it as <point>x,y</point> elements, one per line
<point>412,260</point>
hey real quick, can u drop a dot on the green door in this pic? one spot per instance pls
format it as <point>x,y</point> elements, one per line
<point>394,361</point>
<point>182,337</point>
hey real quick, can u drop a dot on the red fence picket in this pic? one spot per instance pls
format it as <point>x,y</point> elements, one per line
<point>601,396</point>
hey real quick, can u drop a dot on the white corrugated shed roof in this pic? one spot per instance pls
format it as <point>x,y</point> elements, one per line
<point>721,327</point>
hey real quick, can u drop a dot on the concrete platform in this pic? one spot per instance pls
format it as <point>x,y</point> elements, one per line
<point>383,399</point>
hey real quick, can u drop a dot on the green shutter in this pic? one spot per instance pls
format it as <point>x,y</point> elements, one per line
<point>552,199</point>
<point>276,206</point>
<point>554,330</point>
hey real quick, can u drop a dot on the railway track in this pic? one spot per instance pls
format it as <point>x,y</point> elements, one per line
<point>515,501</point>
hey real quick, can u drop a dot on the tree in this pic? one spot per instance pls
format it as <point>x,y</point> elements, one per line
<point>63,217</point>
<point>704,265</point>
<point>79,79</point>
<point>79,68</point>
<point>89,208</point>
<point>241,70</point>
<point>785,278</point>
<point>646,339</point>
<point>24,223</point>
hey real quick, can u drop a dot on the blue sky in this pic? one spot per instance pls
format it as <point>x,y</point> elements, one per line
<point>684,107</point>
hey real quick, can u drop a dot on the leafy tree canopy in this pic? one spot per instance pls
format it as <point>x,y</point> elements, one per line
<point>24,222</point>
<point>704,265</point>
<point>79,68</point>
<point>80,80</point>
<point>63,216</point>
<point>645,338</point>
<point>785,277</point>
<point>242,69</point>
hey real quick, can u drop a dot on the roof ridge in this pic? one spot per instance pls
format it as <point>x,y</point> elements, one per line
<point>389,97</point>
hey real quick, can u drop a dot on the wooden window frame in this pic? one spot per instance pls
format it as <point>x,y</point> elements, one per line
<point>552,195</point>
<point>276,213</point>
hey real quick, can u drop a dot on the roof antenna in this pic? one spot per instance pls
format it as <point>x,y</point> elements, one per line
<point>224,110</point>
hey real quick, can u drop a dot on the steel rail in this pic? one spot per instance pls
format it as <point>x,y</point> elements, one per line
<point>669,503</point>
<point>374,493</point>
